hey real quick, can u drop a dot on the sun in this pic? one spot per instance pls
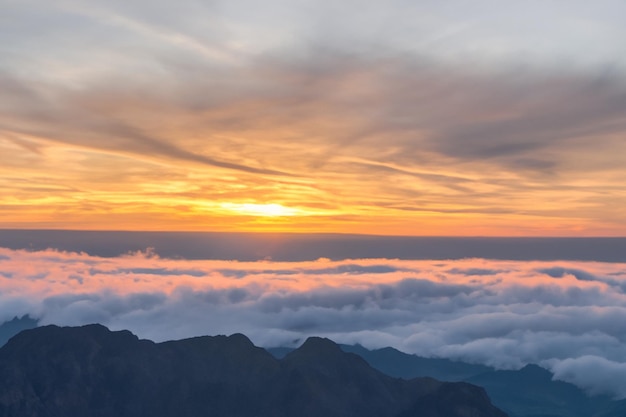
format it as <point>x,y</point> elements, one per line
<point>266,210</point>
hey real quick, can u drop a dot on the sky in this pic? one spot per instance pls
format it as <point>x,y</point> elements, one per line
<point>421,118</point>
<point>323,124</point>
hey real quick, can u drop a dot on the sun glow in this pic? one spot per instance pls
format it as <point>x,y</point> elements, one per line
<point>266,210</point>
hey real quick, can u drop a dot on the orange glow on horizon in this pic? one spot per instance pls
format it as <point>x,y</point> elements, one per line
<point>298,179</point>
<point>265,210</point>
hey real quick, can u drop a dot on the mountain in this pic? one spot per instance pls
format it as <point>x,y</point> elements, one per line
<point>403,365</point>
<point>90,371</point>
<point>398,364</point>
<point>10,328</point>
<point>527,392</point>
<point>531,392</point>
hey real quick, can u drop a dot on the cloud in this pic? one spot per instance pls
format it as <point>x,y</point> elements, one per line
<point>178,112</point>
<point>594,373</point>
<point>496,312</point>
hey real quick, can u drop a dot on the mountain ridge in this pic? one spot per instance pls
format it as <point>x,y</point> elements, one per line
<point>530,391</point>
<point>554,399</point>
<point>89,370</point>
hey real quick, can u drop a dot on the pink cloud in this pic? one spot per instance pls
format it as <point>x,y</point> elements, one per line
<point>501,313</point>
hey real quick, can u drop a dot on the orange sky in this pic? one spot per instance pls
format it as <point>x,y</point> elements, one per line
<point>130,118</point>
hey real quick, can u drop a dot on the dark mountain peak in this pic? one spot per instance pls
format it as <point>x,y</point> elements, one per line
<point>536,370</point>
<point>83,340</point>
<point>91,330</point>
<point>322,352</point>
<point>236,345</point>
<point>316,350</point>
<point>240,340</point>
<point>102,334</point>
<point>320,345</point>
<point>97,332</point>
<point>96,328</point>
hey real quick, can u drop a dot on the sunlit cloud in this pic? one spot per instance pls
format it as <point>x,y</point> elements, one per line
<point>467,120</point>
<point>565,315</point>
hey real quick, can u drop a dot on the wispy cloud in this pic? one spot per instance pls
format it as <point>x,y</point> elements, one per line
<point>564,315</point>
<point>177,111</point>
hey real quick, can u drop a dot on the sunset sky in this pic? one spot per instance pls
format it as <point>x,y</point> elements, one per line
<point>395,118</point>
<point>498,122</point>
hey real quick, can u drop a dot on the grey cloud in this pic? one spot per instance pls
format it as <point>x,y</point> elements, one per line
<point>354,269</point>
<point>149,271</point>
<point>503,324</point>
<point>416,108</point>
<point>88,120</point>
<point>569,108</point>
<point>234,273</point>
<point>580,108</point>
<point>350,269</point>
<point>216,297</point>
<point>559,272</point>
<point>75,309</point>
<point>545,294</point>
<point>61,301</point>
<point>425,288</point>
<point>475,271</point>
<point>410,292</point>
<point>598,375</point>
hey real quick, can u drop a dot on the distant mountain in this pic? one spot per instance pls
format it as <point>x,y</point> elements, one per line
<point>531,392</point>
<point>403,365</point>
<point>10,328</point>
<point>91,371</point>
<point>528,392</point>
<point>280,352</point>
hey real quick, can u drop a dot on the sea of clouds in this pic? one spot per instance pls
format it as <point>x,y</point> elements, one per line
<point>567,316</point>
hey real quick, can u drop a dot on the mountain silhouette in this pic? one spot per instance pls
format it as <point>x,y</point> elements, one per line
<point>532,392</point>
<point>403,365</point>
<point>90,371</point>
<point>10,328</point>
<point>528,392</point>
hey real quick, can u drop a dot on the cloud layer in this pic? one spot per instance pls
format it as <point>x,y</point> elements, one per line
<point>567,316</point>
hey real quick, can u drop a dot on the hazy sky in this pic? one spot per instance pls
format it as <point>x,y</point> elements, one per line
<point>399,117</point>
